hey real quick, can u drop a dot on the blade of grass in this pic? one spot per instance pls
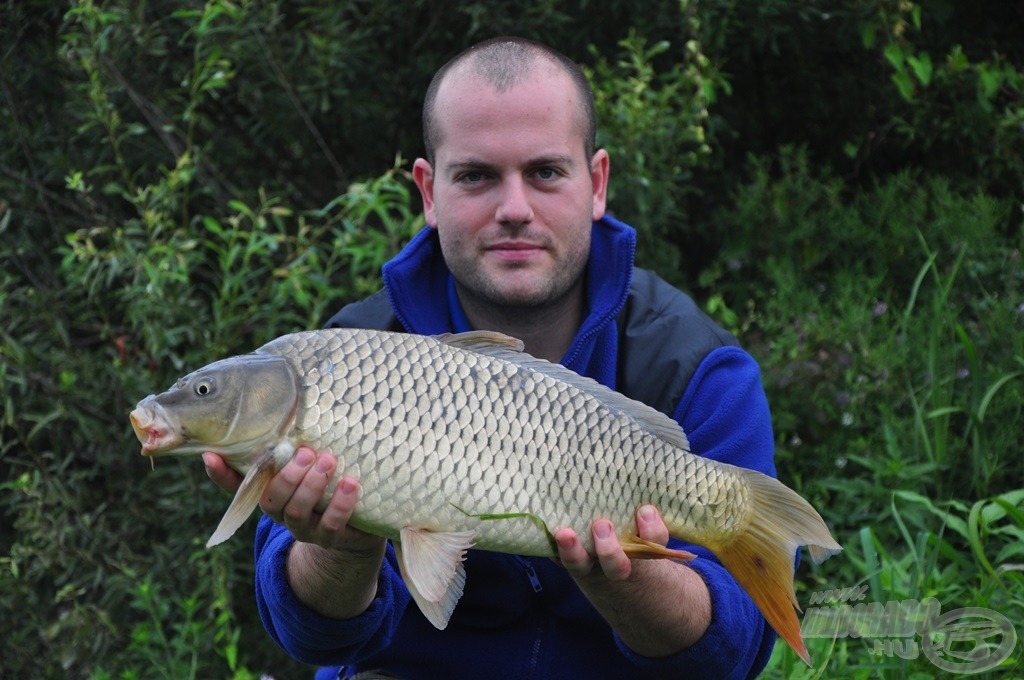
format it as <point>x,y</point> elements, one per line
<point>871,564</point>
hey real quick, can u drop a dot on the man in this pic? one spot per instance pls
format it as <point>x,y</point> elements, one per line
<point>518,242</point>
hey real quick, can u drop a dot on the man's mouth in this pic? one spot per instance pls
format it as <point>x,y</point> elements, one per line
<point>515,250</point>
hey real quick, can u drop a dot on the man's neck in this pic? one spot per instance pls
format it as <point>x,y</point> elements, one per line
<point>546,331</point>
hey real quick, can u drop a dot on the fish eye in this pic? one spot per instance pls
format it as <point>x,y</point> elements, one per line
<point>204,387</point>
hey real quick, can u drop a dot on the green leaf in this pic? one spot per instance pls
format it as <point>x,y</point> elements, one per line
<point>868,34</point>
<point>990,79</point>
<point>952,521</point>
<point>990,393</point>
<point>213,225</point>
<point>922,66</point>
<point>957,61</point>
<point>894,54</point>
<point>904,84</point>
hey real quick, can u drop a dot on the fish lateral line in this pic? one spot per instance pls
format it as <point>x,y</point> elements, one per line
<point>489,516</point>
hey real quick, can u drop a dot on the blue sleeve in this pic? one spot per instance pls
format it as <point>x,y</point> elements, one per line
<point>303,633</point>
<point>724,412</point>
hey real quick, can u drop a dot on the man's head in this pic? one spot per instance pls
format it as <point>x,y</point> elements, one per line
<point>512,184</point>
<point>503,62</point>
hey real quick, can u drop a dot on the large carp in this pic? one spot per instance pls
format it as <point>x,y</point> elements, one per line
<point>465,440</point>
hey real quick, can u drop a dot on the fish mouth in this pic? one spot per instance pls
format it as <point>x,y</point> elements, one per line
<point>153,430</point>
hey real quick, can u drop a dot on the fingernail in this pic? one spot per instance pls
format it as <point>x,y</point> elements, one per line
<point>647,513</point>
<point>348,486</point>
<point>324,464</point>
<point>602,529</point>
<point>304,457</point>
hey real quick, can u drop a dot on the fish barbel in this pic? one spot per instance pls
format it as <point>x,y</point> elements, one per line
<point>465,440</point>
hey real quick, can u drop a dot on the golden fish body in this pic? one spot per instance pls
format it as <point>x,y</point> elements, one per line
<point>465,440</point>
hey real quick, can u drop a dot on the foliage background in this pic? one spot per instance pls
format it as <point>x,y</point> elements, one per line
<point>839,182</point>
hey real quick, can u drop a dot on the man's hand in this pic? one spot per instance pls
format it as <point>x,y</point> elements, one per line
<point>220,473</point>
<point>331,567</point>
<point>291,497</point>
<point>613,561</point>
<point>657,606</point>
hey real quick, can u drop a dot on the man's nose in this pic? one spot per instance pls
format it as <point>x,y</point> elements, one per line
<point>514,205</point>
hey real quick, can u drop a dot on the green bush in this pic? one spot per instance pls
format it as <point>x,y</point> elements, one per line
<point>98,541</point>
<point>654,126</point>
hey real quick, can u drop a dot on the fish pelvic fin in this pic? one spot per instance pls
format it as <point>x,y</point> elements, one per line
<point>762,557</point>
<point>431,566</point>
<point>246,499</point>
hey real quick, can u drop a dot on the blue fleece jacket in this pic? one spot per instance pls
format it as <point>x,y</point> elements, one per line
<point>524,617</point>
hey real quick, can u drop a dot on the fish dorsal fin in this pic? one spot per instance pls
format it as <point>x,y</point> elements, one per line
<point>482,342</point>
<point>246,499</point>
<point>507,348</point>
<point>431,566</point>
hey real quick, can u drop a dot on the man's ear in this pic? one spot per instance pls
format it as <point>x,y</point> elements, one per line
<point>599,168</point>
<point>423,175</point>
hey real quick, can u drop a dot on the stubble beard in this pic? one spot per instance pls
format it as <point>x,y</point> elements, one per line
<point>488,291</point>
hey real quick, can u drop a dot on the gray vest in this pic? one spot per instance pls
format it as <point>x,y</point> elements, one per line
<point>663,337</point>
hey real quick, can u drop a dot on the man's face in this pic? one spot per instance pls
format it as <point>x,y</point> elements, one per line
<point>511,192</point>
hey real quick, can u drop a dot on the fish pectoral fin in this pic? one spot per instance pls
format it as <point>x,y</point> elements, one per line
<point>431,566</point>
<point>245,501</point>
<point>638,548</point>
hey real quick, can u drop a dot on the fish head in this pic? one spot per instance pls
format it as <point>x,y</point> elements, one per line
<point>234,407</point>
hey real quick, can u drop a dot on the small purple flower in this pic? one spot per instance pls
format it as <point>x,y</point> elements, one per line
<point>880,309</point>
<point>962,373</point>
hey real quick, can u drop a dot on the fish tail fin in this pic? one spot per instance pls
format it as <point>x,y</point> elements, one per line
<point>761,558</point>
<point>245,501</point>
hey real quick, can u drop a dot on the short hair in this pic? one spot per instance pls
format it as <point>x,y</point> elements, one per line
<point>504,62</point>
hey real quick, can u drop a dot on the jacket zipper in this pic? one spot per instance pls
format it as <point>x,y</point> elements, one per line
<point>531,574</point>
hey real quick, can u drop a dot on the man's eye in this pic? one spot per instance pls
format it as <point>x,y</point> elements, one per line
<point>547,173</point>
<point>471,177</point>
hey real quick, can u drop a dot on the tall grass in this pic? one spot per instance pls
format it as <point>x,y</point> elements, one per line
<point>898,399</point>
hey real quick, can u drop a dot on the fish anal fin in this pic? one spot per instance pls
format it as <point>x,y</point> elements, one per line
<point>638,548</point>
<point>245,501</point>
<point>431,566</point>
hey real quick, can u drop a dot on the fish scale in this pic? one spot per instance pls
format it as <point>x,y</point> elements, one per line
<point>464,440</point>
<point>480,382</point>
